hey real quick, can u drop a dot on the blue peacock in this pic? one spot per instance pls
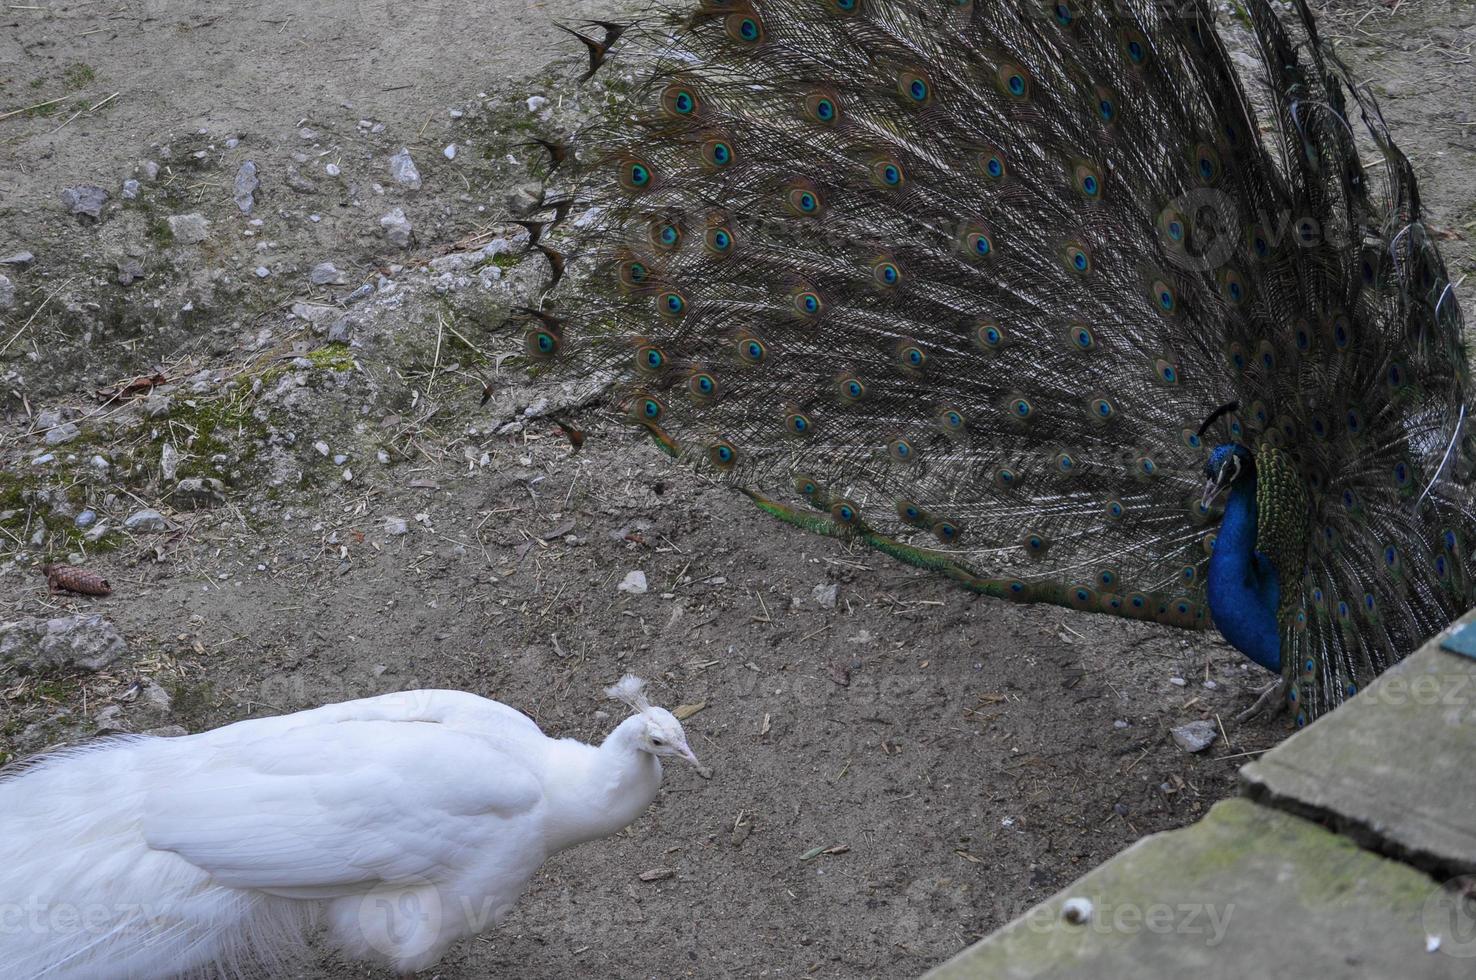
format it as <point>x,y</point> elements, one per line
<point>1047,298</point>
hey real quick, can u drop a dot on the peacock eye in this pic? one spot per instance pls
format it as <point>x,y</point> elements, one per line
<point>657,741</point>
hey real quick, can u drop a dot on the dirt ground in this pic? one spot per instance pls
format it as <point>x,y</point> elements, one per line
<point>958,758</point>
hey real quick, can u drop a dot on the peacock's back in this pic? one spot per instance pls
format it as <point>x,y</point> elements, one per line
<point>964,280</point>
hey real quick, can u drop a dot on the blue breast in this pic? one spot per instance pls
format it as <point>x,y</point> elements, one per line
<point>1243,587</point>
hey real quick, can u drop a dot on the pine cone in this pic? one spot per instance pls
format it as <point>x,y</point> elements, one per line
<point>78,580</point>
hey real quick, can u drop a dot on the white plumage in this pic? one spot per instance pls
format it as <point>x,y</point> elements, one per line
<point>397,824</point>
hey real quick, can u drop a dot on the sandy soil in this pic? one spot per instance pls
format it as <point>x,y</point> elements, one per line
<point>962,758</point>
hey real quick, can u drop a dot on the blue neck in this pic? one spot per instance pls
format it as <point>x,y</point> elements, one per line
<point>1243,589</point>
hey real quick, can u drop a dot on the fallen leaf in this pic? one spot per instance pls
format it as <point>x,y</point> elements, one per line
<point>658,874</point>
<point>684,711</point>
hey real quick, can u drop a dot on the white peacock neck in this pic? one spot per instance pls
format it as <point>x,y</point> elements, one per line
<point>597,791</point>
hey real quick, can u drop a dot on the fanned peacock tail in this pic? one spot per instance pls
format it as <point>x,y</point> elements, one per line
<point>963,280</point>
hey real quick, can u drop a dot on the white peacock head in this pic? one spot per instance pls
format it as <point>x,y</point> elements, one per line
<point>662,734</point>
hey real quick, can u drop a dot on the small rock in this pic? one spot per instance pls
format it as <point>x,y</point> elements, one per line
<point>110,720</point>
<point>449,152</point>
<point>825,595</point>
<point>404,171</point>
<point>262,272</point>
<point>634,583</point>
<point>1120,723</point>
<point>131,189</point>
<point>321,447</point>
<point>146,520</point>
<point>19,260</point>
<point>97,533</point>
<point>247,184</point>
<point>65,432</point>
<point>1178,682</point>
<point>339,331</point>
<point>85,201</point>
<point>198,492</point>
<point>324,274</point>
<point>333,170</point>
<point>189,229</point>
<point>169,462</point>
<point>89,641</point>
<point>7,293</point>
<point>524,198</point>
<point>396,526</point>
<point>86,519</point>
<point>536,102</point>
<point>1077,911</point>
<point>1196,736</point>
<point>129,271</point>
<point>397,228</point>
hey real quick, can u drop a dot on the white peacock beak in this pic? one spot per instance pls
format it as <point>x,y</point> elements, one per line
<point>689,756</point>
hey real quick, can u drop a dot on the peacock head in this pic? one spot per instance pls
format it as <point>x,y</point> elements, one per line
<point>660,733</point>
<point>1228,464</point>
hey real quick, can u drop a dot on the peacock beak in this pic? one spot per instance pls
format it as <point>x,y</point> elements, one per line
<point>1212,489</point>
<point>690,756</point>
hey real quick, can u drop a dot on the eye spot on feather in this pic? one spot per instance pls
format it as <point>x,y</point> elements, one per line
<point>1014,81</point>
<point>1078,259</point>
<point>647,409</point>
<point>1232,287</point>
<point>1165,298</point>
<point>845,513</point>
<point>1115,509</point>
<point>680,100</point>
<point>888,174</point>
<point>542,344</point>
<point>915,88</point>
<point>1166,372</point>
<point>1005,477</point>
<point>665,235</point>
<point>1088,181</point>
<point>992,164</point>
<point>1191,439</point>
<point>722,455</point>
<point>1134,46</point>
<point>1101,409</point>
<point>912,514</point>
<point>911,358</point>
<point>990,336</point>
<point>804,202</point>
<point>946,532</point>
<point>886,274</point>
<point>978,242</point>
<point>636,176</point>
<point>672,304</point>
<point>650,359</point>
<point>1035,544</point>
<point>798,424</point>
<point>808,304</point>
<point>746,29</point>
<point>901,451</point>
<point>1206,164</point>
<point>851,390</point>
<point>951,421</point>
<point>634,273</point>
<point>1021,408</point>
<point>719,241</point>
<point>703,387</point>
<point>751,350</point>
<point>1081,338</point>
<point>822,109</point>
<point>845,7</point>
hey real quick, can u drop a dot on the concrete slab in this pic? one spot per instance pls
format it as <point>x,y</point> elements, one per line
<point>1248,892</point>
<point>1393,768</point>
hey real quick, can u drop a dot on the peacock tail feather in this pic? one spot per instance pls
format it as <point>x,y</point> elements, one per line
<point>961,281</point>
